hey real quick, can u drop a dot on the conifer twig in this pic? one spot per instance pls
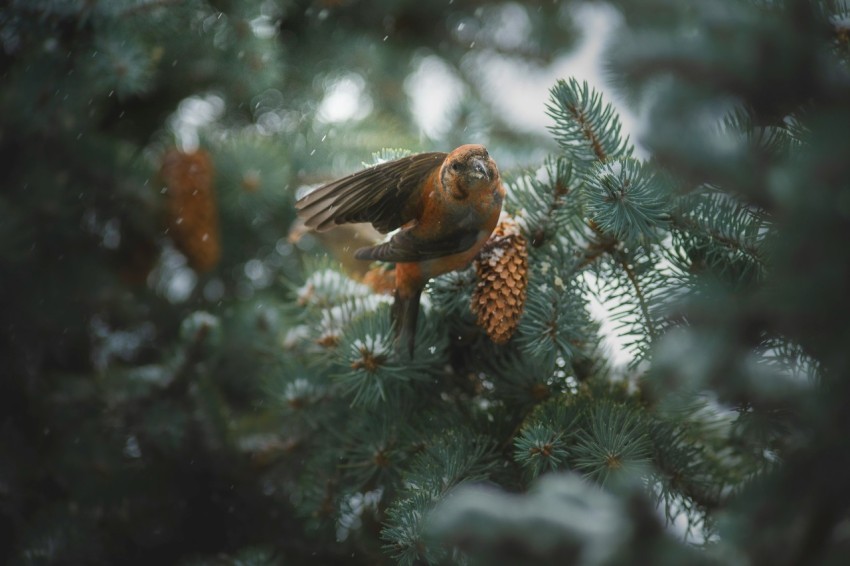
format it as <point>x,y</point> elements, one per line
<point>686,224</point>
<point>588,132</point>
<point>644,307</point>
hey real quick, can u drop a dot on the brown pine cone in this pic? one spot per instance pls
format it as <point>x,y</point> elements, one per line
<point>191,207</point>
<point>502,268</point>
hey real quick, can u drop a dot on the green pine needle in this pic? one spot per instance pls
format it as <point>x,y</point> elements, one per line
<point>371,370</point>
<point>404,532</point>
<point>540,449</point>
<point>637,287</point>
<point>449,459</point>
<point>587,129</point>
<point>296,390</point>
<point>374,451</point>
<point>328,286</point>
<point>546,204</point>
<point>121,65</point>
<point>685,479</point>
<point>455,457</point>
<point>765,141</point>
<point>613,444</point>
<point>624,197</point>
<point>523,381</point>
<point>555,323</point>
<point>716,234</point>
<point>451,293</point>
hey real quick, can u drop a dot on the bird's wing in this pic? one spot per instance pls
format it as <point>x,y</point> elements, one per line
<point>407,247</point>
<point>385,195</point>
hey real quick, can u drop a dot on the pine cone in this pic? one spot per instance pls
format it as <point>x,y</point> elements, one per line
<point>192,209</point>
<point>502,267</point>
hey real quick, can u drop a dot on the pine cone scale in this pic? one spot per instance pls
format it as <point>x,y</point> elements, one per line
<point>502,267</point>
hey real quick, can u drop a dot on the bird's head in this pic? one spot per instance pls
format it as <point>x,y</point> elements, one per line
<point>469,170</point>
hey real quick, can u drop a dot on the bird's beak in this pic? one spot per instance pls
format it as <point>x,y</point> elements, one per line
<point>479,169</point>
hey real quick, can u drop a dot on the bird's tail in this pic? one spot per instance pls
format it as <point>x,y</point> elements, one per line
<point>405,313</point>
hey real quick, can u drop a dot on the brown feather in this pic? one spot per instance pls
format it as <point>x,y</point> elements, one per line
<point>406,247</point>
<point>385,195</point>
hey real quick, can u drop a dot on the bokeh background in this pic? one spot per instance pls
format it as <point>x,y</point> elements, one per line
<point>152,276</point>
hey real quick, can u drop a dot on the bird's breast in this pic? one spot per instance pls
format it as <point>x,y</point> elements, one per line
<point>483,213</point>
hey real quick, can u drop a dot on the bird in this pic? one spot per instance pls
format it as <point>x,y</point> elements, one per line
<point>444,207</point>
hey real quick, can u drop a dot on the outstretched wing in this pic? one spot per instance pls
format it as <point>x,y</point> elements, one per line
<point>385,195</point>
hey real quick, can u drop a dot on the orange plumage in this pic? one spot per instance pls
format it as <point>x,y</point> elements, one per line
<point>446,206</point>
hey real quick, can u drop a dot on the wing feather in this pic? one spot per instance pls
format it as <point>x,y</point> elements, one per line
<point>406,247</point>
<point>383,194</point>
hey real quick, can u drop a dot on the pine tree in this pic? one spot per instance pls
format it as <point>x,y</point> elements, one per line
<point>190,382</point>
<point>691,250</point>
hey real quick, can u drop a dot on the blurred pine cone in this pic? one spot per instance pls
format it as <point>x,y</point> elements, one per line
<point>191,207</point>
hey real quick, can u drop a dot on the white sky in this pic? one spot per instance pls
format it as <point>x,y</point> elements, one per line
<point>518,91</point>
<point>523,98</point>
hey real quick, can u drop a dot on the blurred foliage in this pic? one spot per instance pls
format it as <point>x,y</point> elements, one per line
<point>133,427</point>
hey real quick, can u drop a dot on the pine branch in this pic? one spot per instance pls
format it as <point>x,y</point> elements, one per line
<point>450,293</point>
<point>635,286</point>
<point>625,197</point>
<point>546,203</point>
<point>598,245</point>
<point>555,323</point>
<point>453,458</point>
<point>715,232</point>
<point>765,143</point>
<point>612,441</point>
<point>628,269</point>
<point>540,449</point>
<point>369,369</point>
<point>683,470</point>
<point>374,450</point>
<point>586,129</point>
